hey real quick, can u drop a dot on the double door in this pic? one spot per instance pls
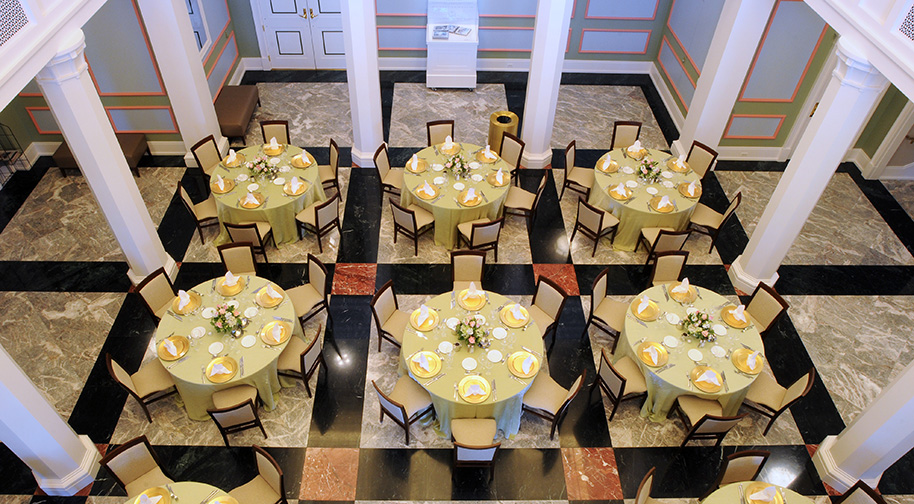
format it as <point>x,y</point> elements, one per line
<point>300,34</point>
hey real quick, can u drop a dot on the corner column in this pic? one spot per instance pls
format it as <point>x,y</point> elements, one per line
<point>550,36</point>
<point>172,39</point>
<point>736,38</point>
<point>852,92</point>
<point>876,439</point>
<point>361,44</point>
<point>62,462</point>
<point>74,103</point>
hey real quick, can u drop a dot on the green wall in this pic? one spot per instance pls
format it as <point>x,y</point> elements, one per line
<point>882,120</point>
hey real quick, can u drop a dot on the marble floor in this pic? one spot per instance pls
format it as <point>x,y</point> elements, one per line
<point>67,303</point>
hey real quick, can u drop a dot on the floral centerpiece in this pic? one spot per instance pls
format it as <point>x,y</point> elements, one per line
<point>649,170</point>
<point>260,167</point>
<point>697,324</point>
<point>457,166</point>
<point>471,333</point>
<point>227,319</point>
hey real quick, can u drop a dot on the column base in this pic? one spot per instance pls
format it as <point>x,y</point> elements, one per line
<point>171,269</point>
<point>222,143</point>
<point>537,159</point>
<point>831,474</point>
<point>678,149</point>
<point>363,159</point>
<point>79,478</point>
<point>744,281</point>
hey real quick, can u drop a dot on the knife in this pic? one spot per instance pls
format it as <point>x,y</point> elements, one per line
<point>494,392</point>
<point>532,351</point>
<point>664,368</point>
<point>723,374</point>
<point>636,319</point>
<point>453,300</point>
<point>667,296</point>
<point>433,380</point>
<point>241,364</point>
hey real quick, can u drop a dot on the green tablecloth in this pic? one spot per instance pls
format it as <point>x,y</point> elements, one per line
<point>729,494</point>
<point>507,409</point>
<point>664,387</point>
<point>279,210</point>
<point>259,362</point>
<point>191,492</point>
<point>635,213</point>
<point>448,213</point>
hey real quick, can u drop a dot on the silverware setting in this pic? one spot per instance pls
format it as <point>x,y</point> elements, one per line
<point>698,291</point>
<point>742,497</point>
<point>455,391</point>
<point>453,300</point>
<point>534,352</point>
<point>723,375</point>
<point>689,379</point>
<point>636,319</point>
<point>484,198</point>
<point>178,318</point>
<point>433,380</point>
<point>282,319</point>
<point>518,379</point>
<point>419,334</point>
<point>208,497</point>
<point>241,365</point>
<point>171,492</point>
<point>494,391</point>
<point>664,368</point>
<point>665,294</point>
<point>182,359</point>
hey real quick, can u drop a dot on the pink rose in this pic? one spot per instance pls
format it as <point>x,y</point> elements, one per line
<point>219,325</point>
<point>222,311</point>
<point>472,340</point>
<point>704,333</point>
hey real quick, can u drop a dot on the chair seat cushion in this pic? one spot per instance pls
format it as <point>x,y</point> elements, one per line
<point>704,216</point>
<point>308,215</point>
<point>304,298</point>
<point>411,395</point>
<point>290,358</point>
<point>520,199</point>
<point>545,394</point>
<point>155,477</point>
<point>394,178</point>
<point>634,379</point>
<point>326,173</point>
<point>540,317</point>
<point>473,431</point>
<point>206,209</point>
<point>263,227</point>
<point>581,176</point>
<point>160,311</point>
<point>152,378</point>
<point>466,228</point>
<point>226,398</point>
<point>256,491</point>
<point>396,324</point>
<point>612,313</point>
<point>651,233</point>
<point>696,407</point>
<point>423,217</point>
<point>609,220</point>
<point>766,391</point>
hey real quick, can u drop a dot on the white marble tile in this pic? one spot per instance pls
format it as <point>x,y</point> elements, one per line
<point>903,192</point>
<point>843,229</point>
<point>586,114</point>
<point>414,105</point>
<point>316,111</point>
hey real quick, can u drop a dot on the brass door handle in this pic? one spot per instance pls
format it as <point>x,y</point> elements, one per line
<point>313,15</point>
<point>304,14</point>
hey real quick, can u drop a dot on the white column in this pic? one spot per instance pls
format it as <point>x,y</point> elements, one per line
<point>851,93</point>
<point>62,462</point>
<point>361,45</point>
<point>550,36</point>
<point>176,52</point>
<point>733,46</point>
<point>74,102</point>
<point>876,439</point>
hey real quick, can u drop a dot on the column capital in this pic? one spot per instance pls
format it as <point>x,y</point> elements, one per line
<point>854,69</point>
<point>69,62</point>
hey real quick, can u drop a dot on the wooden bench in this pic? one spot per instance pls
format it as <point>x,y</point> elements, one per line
<point>234,108</point>
<point>133,144</point>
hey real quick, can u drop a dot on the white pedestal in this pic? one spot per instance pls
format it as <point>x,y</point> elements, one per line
<point>452,63</point>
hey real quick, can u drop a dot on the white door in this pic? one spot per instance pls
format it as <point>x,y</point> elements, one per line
<point>300,34</point>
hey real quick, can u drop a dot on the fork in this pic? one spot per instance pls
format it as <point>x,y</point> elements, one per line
<point>171,492</point>
<point>494,391</point>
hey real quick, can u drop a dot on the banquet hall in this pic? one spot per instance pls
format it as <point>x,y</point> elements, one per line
<point>824,216</point>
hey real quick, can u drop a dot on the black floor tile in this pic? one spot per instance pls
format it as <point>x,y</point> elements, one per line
<point>63,276</point>
<point>17,477</point>
<point>18,188</point>
<point>548,242</point>
<point>362,218</point>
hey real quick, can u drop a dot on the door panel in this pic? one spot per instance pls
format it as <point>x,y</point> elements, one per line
<point>287,33</point>
<point>327,33</point>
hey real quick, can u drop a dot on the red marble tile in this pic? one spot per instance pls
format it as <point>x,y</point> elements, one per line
<point>562,274</point>
<point>591,474</point>
<point>811,449</point>
<point>831,491</point>
<point>330,474</point>
<point>739,292</point>
<point>354,279</point>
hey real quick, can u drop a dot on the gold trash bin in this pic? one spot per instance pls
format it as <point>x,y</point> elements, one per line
<point>500,122</point>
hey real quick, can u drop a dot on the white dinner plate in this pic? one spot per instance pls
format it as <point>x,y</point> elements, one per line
<point>695,355</point>
<point>476,177</point>
<point>279,181</point>
<point>718,351</point>
<point>437,167</point>
<point>670,341</point>
<point>627,170</point>
<point>652,191</point>
<point>499,333</point>
<point>253,187</point>
<point>667,184</point>
<point>208,313</point>
<point>445,347</point>
<point>459,186</point>
<point>241,177</point>
<point>672,318</point>
<point>274,161</point>
<point>233,303</point>
<point>469,363</point>
<point>474,164</point>
<point>632,184</point>
<point>451,323</point>
<point>215,348</point>
<point>719,329</point>
<point>666,174</point>
<point>691,310</point>
<point>285,169</point>
<point>494,356</point>
<point>248,341</point>
<point>198,332</point>
<point>439,180</point>
<point>251,312</point>
<point>481,319</point>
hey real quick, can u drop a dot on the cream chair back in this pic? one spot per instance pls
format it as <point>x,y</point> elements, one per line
<point>609,375</point>
<point>236,415</point>
<point>625,133</point>
<point>240,233</point>
<point>467,453</point>
<point>403,217</point>
<point>206,153</point>
<point>268,469</point>
<point>439,130</point>
<point>710,424</point>
<point>238,257</point>
<point>187,201</point>
<point>590,217</point>
<point>512,150</point>
<point>570,153</point>
<point>157,291</point>
<point>385,305</point>
<point>313,351</point>
<point>382,161</point>
<point>132,463</point>
<point>275,129</point>
<point>743,467</point>
<point>765,306</point>
<point>701,157</point>
<point>667,240</point>
<point>861,493</point>
<point>483,234</point>
<point>734,204</point>
<point>644,489</point>
<point>317,275</point>
<point>599,290</point>
<point>328,211</point>
<point>334,156</point>
<point>668,267</point>
<point>122,376</point>
<point>799,388</point>
<point>467,267</point>
<point>549,298</point>
<point>397,411</point>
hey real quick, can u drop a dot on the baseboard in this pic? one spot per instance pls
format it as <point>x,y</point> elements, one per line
<point>167,148</point>
<point>745,153</point>
<point>666,96</point>
<point>607,66</point>
<point>897,173</point>
<point>37,149</point>
<point>401,64</point>
<point>243,66</point>
<point>859,158</point>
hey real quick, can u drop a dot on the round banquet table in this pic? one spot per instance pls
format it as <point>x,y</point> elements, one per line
<point>731,493</point>
<point>278,209</point>
<point>189,491</point>
<point>259,360</point>
<point>635,213</point>
<point>446,209</point>
<point>665,385</point>
<point>507,408</point>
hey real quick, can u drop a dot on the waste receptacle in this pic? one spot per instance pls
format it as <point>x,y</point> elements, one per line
<point>500,122</point>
